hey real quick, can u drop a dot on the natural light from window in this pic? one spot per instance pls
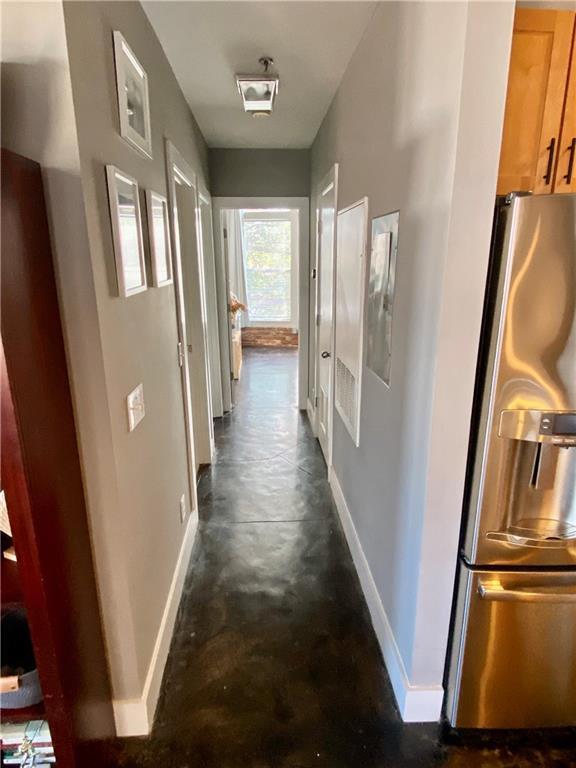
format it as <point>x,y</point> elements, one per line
<point>267,246</point>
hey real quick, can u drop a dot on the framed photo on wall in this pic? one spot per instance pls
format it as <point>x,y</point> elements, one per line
<point>159,233</point>
<point>381,288</point>
<point>124,199</point>
<point>133,100</point>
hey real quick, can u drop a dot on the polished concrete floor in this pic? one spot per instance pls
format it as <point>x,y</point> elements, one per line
<point>274,663</point>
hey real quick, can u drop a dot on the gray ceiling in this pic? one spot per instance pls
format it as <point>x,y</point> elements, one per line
<point>208,42</point>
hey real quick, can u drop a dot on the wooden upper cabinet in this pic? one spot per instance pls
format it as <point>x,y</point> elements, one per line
<point>539,65</point>
<point>565,180</point>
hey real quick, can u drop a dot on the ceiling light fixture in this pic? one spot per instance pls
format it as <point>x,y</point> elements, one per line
<point>259,91</point>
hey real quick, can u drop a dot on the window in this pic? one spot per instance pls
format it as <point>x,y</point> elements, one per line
<point>270,258</point>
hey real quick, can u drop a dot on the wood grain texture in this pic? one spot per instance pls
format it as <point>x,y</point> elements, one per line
<point>565,178</point>
<point>41,473</point>
<point>537,80</point>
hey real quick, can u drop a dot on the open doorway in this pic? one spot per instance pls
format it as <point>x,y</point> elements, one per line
<point>262,247</point>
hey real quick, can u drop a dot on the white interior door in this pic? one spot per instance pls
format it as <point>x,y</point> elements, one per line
<point>181,322</point>
<point>229,323</point>
<point>222,290</point>
<point>211,301</point>
<point>191,296</point>
<point>196,321</point>
<point>325,312</point>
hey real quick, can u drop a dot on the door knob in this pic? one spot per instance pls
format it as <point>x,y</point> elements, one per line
<point>325,355</point>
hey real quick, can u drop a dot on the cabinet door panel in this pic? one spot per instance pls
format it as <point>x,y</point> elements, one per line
<point>536,87</point>
<point>566,170</point>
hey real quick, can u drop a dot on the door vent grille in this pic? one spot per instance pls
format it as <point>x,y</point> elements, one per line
<point>346,393</point>
<point>323,409</point>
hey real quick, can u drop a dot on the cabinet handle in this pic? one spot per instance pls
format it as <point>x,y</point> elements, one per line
<point>495,591</point>
<point>550,149</point>
<point>572,151</point>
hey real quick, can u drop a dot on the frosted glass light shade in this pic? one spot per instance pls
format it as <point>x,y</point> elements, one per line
<point>258,92</point>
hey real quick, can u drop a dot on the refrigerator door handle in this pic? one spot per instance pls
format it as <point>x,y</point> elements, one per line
<point>493,590</point>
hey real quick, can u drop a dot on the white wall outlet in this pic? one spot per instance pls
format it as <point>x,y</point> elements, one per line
<point>135,407</point>
<point>182,508</point>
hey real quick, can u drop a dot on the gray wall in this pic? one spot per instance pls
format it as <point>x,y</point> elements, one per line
<point>133,480</point>
<point>38,123</point>
<point>415,126</point>
<point>260,172</point>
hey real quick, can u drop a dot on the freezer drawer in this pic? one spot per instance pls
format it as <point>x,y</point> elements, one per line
<point>513,659</point>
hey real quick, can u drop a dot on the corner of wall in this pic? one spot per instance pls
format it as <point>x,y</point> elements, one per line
<point>483,95</point>
<point>417,703</point>
<point>135,716</point>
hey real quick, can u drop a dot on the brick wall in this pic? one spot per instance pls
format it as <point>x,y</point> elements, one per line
<point>269,337</point>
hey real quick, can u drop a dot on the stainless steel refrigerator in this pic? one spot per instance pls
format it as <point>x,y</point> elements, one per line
<point>513,657</point>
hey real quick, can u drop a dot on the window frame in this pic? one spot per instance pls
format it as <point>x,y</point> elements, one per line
<point>278,214</point>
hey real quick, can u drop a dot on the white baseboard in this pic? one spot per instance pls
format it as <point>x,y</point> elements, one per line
<point>417,704</point>
<point>134,717</point>
<point>311,416</point>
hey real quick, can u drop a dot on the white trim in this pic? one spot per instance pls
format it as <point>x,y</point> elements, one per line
<point>212,318</point>
<point>172,158</point>
<point>124,57</point>
<point>328,183</point>
<point>302,204</point>
<point>134,717</point>
<point>222,293</point>
<point>131,717</point>
<point>191,313</point>
<point>113,174</point>
<point>353,429</point>
<point>310,410</point>
<point>291,215</point>
<point>152,197</point>
<point>417,703</point>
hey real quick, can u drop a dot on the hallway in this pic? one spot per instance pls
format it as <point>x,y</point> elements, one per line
<point>200,589</point>
<point>273,657</point>
<point>274,663</point>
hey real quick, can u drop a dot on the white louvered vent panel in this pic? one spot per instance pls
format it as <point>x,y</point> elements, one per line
<point>346,393</point>
<point>323,408</point>
<point>349,313</point>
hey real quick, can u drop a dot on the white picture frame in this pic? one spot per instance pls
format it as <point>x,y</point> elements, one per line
<point>133,98</point>
<point>159,237</point>
<point>126,220</point>
<point>380,300</point>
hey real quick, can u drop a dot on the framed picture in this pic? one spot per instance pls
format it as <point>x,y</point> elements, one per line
<point>381,288</point>
<point>124,198</point>
<point>133,101</point>
<point>159,232</point>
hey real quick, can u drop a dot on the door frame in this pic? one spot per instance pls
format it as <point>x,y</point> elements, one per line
<point>41,475</point>
<point>302,205</point>
<point>185,176</point>
<point>178,168</point>
<point>292,217</point>
<point>172,158</point>
<point>211,294</point>
<point>328,181</point>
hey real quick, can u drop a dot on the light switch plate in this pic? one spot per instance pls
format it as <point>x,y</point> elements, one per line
<point>182,508</point>
<point>135,407</point>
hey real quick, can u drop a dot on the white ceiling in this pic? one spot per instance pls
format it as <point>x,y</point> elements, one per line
<point>207,43</point>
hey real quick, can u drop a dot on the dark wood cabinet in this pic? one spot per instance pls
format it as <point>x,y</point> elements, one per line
<point>41,476</point>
